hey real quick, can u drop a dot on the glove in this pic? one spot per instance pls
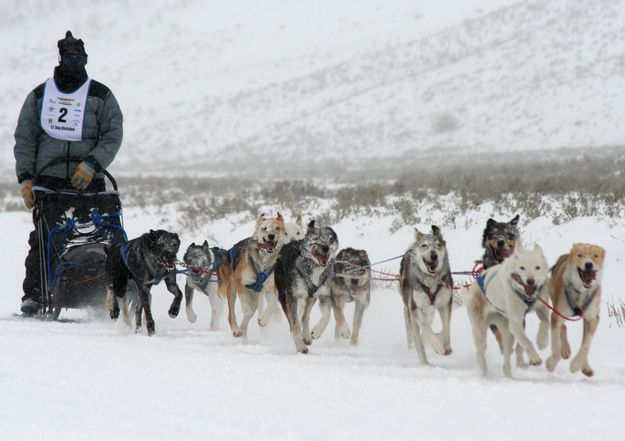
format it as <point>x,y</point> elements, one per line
<point>83,174</point>
<point>27,193</point>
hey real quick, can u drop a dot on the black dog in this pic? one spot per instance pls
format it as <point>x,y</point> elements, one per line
<point>499,240</point>
<point>147,260</point>
<point>304,271</point>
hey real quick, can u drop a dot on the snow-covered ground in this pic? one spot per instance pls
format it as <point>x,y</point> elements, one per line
<point>96,380</point>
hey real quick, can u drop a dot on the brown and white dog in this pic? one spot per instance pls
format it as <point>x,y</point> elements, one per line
<point>575,290</point>
<point>247,272</point>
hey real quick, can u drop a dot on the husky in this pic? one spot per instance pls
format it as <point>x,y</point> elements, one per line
<point>575,290</point>
<point>426,286</point>
<point>499,240</point>
<point>248,273</point>
<point>147,260</point>
<point>295,230</point>
<point>502,296</point>
<point>304,270</point>
<point>202,265</point>
<point>351,283</point>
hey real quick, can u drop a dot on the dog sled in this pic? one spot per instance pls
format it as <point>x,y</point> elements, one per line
<point>73,229</point>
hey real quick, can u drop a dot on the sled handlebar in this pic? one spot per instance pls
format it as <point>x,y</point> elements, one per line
<point>68,160</point>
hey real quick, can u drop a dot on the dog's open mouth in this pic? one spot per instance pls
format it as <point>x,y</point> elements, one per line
<point>530,290</point>
<point>587,277</point>
<point>267,246</point>
<point>431,266</point>
<point>170,263</point>
<point>503,253</point>
<point>323,259</point>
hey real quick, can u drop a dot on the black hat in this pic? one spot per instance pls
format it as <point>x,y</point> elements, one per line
<point>70,45</point>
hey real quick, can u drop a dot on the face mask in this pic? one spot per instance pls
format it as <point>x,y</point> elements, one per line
<point>74,61</point>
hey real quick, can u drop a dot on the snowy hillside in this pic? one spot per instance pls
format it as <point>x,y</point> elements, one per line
<point>298,80</point>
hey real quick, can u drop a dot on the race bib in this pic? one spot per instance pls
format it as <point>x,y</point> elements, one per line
<point>62,114</point>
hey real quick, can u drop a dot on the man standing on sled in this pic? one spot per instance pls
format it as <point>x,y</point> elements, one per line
<point>69,115</point>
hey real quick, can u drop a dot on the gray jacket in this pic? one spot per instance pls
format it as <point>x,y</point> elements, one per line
<point>102,135</point>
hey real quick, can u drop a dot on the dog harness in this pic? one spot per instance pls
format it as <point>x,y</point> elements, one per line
<point>123,250</point>
<point>578,310</point>
<point>312,288</point>
<point>426,289</point>
<point>261,277</point>
<point>481,281</point>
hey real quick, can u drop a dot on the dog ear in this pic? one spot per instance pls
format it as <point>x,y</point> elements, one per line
<point>311,226</point>
<point>192,244</point>
<point>418,234</point>
<point>260,218</point>
<point>436,231</point>
<point>538,248</point>
<point>515,221</point>
<point>491,222</point>
<point>205,245</point>
<point>299,221</point>
<point>519,248</point>
<point>279,216</point>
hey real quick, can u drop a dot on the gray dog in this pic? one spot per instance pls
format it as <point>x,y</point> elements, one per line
<point>426,287</point>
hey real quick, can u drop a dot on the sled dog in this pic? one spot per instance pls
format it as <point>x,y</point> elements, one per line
<point>502,296</point>
<point>351,283</point>
<point>426,286</point>
<point>248,272</point>
<point>575,290</point>
<point>295,230</point>
<point>304,270</point>
<point>147,260</point>
<point>499,240</point>
<point>202,266</point>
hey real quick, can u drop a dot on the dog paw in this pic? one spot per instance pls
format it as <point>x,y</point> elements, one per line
<point>191,316</point>
<point>566,351</point>
<point>535,360</point>
<point>213,327</point>
<point>354,341</point>
<point>307,341</point>
<point>264,319</point>
<point>576,364</point>
<point>237,333</point>
<point>447,350</point>
<point>114,314</point>
<point>551,363</point>
<point>587,370</point>
<point>173,311</point>
<point>343,331</point>
<point>151,328</point>
<point>316,333</point>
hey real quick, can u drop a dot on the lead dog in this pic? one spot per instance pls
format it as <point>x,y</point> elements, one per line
<point>202,272</point>
<point>147,260</point>
<point>351,283</point>
<point>248,272</point>
<point>575,290</point>
<point>426,286</point>
<point>304,270</point>
<point>502,296</point>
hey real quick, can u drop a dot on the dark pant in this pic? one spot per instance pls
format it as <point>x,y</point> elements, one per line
<point>33,281</point>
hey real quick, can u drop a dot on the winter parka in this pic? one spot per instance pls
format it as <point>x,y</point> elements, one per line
<point>102,135</point>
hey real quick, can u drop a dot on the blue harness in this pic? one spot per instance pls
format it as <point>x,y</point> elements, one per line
<point>123,249</point>
<point>261,277</point>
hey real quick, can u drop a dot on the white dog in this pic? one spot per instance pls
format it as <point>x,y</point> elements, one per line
<point>502,296</point>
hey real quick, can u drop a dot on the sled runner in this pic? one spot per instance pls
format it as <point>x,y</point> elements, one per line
<point>73,228</point>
